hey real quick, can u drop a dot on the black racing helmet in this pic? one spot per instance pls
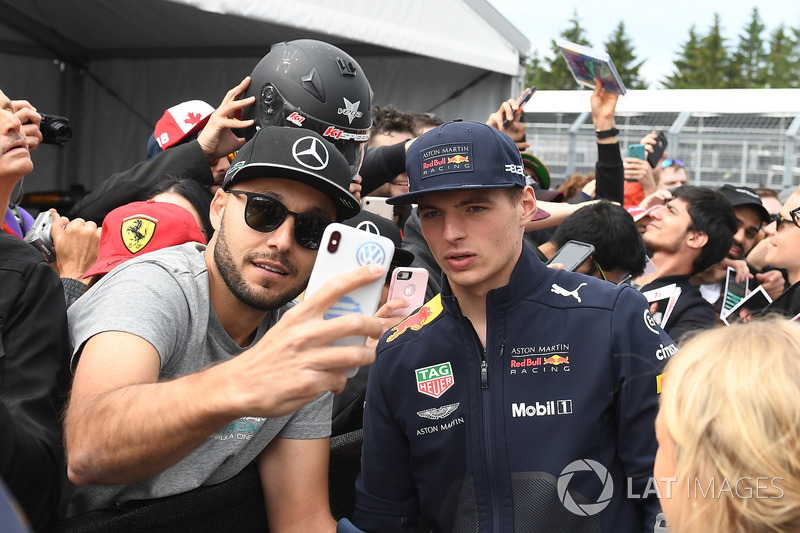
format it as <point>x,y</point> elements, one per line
<point>314,85</point>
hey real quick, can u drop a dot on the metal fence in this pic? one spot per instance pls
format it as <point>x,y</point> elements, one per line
<point>757,150</point>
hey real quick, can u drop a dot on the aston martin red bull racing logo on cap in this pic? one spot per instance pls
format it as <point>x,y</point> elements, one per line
<point>434,380</point>
<point>446,158</point>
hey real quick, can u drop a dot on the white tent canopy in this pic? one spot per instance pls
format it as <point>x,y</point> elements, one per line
<point>114,66</point>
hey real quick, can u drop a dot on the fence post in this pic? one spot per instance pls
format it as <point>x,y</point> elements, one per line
<point>573,138</point>
<point>788,152</point>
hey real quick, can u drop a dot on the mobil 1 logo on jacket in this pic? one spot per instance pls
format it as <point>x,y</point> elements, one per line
<point>434,380</point>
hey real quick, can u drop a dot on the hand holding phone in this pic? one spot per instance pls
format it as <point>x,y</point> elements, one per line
<point>521,103</point>
<point>344,248</point>
<point>572,255</point>
<point>409,284</point>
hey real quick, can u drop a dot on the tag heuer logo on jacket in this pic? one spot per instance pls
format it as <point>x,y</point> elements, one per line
<point>434,380</point>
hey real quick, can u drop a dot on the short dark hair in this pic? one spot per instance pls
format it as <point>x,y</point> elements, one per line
<point>425,121</point>
<point>613,233</point>
<point>514,194</point>
<point>387,119</point>
<point>712,214</point>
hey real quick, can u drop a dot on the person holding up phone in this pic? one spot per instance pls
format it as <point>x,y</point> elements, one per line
<point>513,376</point>
<point>193,362</point>
<point>639,173</point>
<point>507,118</point>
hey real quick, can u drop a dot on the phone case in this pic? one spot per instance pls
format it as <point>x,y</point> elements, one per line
<point>658,149</point>
<point>344,248</point>
<point>411,289</point>
<point>572,254</point>
<point>637,150</point>
<point>378,206</point>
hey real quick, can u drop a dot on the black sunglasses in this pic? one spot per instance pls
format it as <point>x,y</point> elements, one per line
<point>778,219</point>
<point>266,214</point>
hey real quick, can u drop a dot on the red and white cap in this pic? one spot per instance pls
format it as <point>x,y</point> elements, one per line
<point>180,121</point>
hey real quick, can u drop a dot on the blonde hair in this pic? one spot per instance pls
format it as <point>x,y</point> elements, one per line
<point>731,404</point>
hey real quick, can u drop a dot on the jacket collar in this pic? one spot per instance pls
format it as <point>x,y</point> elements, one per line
<point>528,274</point>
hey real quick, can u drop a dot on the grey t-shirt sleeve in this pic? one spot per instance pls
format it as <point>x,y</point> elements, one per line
<point>143,299</point>
<point>312,421</point>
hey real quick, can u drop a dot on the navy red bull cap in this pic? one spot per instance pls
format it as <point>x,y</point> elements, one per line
<point>461,155</point>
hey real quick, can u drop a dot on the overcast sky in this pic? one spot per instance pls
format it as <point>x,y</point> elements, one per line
<point>658,29</point>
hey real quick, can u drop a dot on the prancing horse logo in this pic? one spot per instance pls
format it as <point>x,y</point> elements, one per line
<point>137,232</point>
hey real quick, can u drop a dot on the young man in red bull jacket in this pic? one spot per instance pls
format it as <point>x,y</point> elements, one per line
<point>521,398</point>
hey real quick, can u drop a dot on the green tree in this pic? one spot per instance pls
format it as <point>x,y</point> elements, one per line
<point>620,48</point>
<point>704,63</point>
<point>715,65</point>
<point>686,65</point>
<point>750,57</point>
<point>534,75</point>
<point>782,68</point>
<point>553,72</point>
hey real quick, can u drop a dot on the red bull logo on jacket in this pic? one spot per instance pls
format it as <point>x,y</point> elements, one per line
<point>414,322</point>
<point>434,380</point>
<point>557,360</point>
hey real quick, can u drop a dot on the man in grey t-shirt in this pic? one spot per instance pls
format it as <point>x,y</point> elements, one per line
<point>190,363</point>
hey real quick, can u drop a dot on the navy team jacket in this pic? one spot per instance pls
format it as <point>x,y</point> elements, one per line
<point>550,429</point>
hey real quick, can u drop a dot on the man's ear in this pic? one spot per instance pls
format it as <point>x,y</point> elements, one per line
<point>218,208</point>
<point>696,239</point>
<point>528,202</point>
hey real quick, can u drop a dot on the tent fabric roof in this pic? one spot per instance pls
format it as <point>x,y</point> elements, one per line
<point>78,32</point>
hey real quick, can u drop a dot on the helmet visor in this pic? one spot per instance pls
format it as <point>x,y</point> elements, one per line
<point>350,142</point>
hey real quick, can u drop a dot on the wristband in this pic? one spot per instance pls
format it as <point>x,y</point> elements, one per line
<point>605,134</point>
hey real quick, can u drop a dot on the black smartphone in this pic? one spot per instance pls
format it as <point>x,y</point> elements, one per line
<point>572,255</point>
<point>658,149</point>
<point>521,103</point>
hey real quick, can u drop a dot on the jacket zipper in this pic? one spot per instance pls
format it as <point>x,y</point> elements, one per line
<point>493,486</point>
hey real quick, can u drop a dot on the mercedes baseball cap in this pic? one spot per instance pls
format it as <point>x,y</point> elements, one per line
<point>461,155</point>
<point>378,225</point>
<point>137,228</point>
<point>300,155</point>
<point>741,195</point>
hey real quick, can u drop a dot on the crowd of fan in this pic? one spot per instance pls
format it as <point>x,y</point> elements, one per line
<point>128,395</point>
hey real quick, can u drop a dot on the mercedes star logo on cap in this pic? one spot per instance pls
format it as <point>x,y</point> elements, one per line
<point>369,226</point>
<point>311,153</point>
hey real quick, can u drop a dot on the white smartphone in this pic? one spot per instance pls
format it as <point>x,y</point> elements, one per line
<point>409,284</point>
<point>344,248</point>
<point>572,255</point>
<point>378,206</point>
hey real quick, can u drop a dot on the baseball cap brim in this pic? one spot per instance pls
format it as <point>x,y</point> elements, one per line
<point>540,214</point>
<point>535,165</point>
<point>106,266</point>
<point>412,197</point>
<point>347,205</point>
<point>744,196</point>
